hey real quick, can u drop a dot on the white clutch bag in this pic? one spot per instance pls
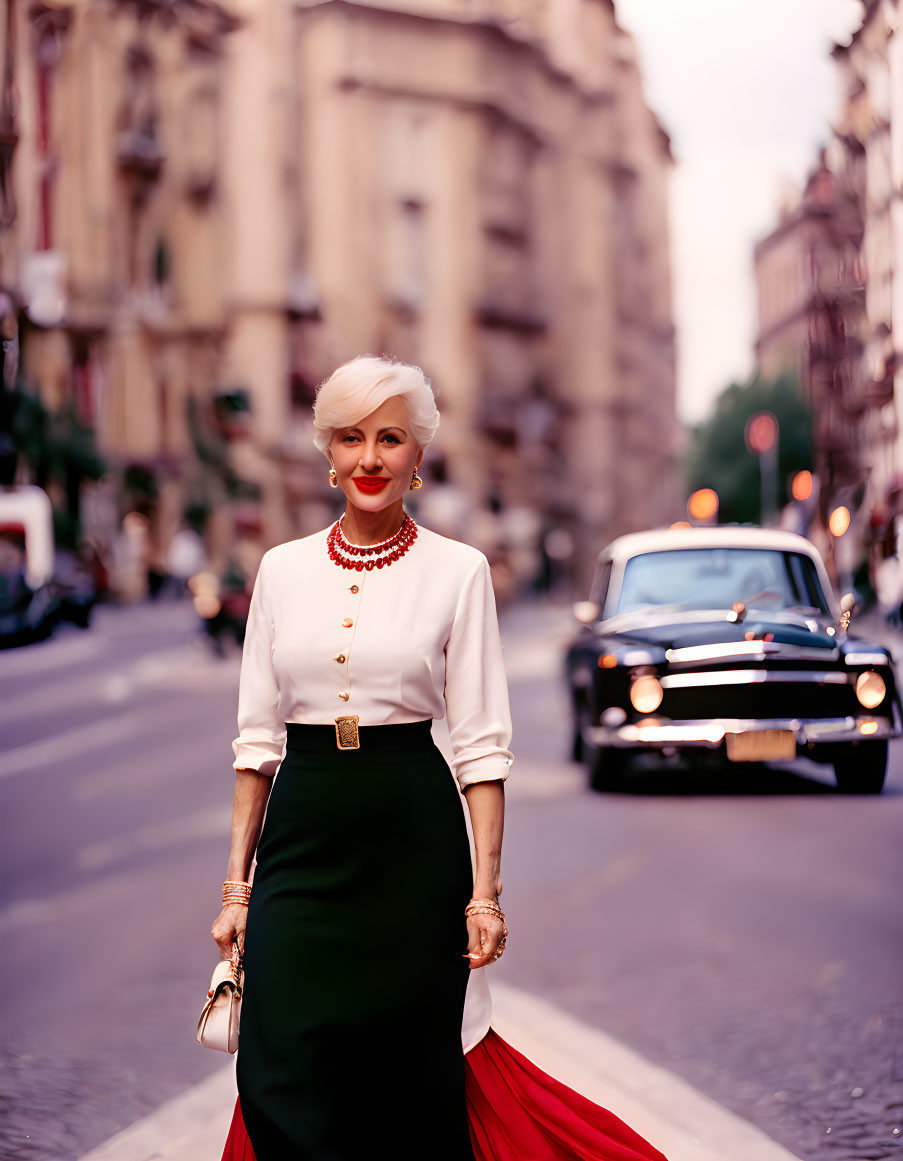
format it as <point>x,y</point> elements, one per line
<point>218,1025</point>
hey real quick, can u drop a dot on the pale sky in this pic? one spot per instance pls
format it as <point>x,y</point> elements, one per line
<point>747,90</point>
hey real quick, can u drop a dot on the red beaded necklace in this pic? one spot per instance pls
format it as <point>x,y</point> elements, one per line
<point>367,557</point>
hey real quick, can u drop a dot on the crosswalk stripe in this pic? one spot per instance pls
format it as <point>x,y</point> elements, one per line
<point>78,740</point>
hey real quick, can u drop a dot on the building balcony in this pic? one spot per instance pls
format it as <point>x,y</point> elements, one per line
<point>497,316</point>
<point>139,156</point>
<point>506,305</point>
<point>879,391</point>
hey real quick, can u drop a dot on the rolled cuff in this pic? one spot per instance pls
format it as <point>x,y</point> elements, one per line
<point>259,756</point>
<point>491,768</point>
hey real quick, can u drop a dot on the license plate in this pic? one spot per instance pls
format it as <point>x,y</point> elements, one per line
<point>761,746</point>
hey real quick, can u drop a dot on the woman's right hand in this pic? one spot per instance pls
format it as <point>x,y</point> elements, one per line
<point>229,928</point>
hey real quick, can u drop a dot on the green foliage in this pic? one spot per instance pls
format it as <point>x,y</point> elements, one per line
<point>59,449</point>
<point>718,458</point>
<point>56,444</point>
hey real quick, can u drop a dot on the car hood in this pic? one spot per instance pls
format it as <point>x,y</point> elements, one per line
<point>679,632</point>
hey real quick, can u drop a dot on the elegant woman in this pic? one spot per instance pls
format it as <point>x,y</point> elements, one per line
<point>367,931</point>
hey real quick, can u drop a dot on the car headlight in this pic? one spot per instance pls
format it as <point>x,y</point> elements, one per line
<point>646,694</point>
<point>870,689</point>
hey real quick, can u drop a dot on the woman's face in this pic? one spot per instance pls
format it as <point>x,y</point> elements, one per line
<point>375,459</point>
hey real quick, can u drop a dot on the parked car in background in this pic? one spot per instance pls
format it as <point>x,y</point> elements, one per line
<point>726,644</point>
<point>33,599</point>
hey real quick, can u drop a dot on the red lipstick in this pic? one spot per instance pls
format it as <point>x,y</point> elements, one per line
<point>370,484</point>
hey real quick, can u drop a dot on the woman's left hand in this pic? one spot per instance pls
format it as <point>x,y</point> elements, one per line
<point>484,934</point>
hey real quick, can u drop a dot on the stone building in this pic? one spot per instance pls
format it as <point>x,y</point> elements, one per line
<point>243,194</point>
<point>113,230</point>
<point>870,129</point>
<point>830,277</point>
<point>811,318</point>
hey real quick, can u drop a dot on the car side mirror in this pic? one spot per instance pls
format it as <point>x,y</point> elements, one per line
<point>847,605</point>
<point>586,612</point>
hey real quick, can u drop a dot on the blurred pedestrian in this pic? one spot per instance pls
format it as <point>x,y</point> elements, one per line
<point>365,1025</point>
<point>444,505</point>
<point>557,555</point>
<point>889,589</point>
<point>131,554</point>
<point>185,557</point>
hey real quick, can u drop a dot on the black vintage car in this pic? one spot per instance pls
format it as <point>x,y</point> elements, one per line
<point>726,644</point>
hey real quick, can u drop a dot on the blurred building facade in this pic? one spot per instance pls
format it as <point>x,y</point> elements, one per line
<point>208,206</point>
<point>830,279</point>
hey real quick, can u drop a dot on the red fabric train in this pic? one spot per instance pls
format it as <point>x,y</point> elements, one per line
<point>518,1113</point>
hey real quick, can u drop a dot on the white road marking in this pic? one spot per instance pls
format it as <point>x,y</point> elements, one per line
<point>50,655</point>
<point>179,667</point>
<point>91,896</point>
<point>544,780</point>
<point>525,660</point>
<point>77,740</point>
<point>676,1118</point>
<point>159,836</point>
<point>163,764</point>
<point>682,1122</point>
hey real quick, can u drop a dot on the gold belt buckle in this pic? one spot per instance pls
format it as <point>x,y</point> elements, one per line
<point>347,736</point>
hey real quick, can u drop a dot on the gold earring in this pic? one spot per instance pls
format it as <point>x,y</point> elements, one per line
<point>333,478</point>
<point>416,482</point>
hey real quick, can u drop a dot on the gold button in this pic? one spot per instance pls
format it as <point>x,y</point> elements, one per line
<point>344,694</point>
<point>355,589</point>
<point>348,622</point>
<point>340,658</point>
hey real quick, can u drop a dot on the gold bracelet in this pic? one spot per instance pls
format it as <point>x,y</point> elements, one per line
<point>236,891</point>
<point>484,910</point>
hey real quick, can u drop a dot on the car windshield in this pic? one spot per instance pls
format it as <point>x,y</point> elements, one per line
<point>716,578</point>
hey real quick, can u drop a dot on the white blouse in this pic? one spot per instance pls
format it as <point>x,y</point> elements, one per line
<point>416,639</point>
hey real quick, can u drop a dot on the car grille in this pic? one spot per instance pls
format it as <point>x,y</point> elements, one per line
<point>761,700</point>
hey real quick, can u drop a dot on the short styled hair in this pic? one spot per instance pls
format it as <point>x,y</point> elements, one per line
<point>358,387</point>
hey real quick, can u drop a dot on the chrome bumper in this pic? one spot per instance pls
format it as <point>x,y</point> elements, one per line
<point>710,732</point>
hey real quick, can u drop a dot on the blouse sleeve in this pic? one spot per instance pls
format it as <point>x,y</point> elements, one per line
<point>476,689</point>
<point>261,732</point>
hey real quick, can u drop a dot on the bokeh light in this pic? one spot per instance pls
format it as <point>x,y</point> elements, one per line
<point>703,504</point>
<point>801,486</point>
<point>839,521</point>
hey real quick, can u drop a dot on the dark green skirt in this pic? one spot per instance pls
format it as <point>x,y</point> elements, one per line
<point>350,1039</point>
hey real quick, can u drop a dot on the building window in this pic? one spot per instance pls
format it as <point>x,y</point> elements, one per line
<point>202,134</point>
<point>407,170</point>
<point>161,264</point>
<point>47,57</point>
<point>139,153</point>
<point>406,257</point>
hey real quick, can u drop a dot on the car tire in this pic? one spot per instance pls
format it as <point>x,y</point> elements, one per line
<point>861,768</point>
<point>608,769</point>
<point>580,751</point>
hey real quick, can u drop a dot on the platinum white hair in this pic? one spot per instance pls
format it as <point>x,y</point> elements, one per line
<point>358,387</point>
